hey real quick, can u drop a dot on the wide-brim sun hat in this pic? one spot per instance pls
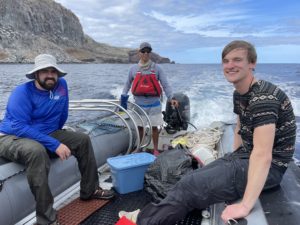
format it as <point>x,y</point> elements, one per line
<point>44,61</point>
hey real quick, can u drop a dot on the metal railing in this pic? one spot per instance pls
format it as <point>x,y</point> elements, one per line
<point>113,106</point>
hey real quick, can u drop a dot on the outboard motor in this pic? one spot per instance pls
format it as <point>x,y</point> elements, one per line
<point>177,118</point>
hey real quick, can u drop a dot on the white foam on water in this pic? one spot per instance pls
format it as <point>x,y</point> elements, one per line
<point>206,111</point>
<point>116,91</point>
<point>296,106</point>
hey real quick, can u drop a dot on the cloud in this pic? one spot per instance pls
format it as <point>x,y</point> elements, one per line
<point>223,23</point>
<point>211,24</point>
<point>206,19</point>
<point>183,26</point>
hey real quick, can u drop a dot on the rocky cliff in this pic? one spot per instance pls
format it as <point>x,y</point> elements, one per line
<point>31,27</point>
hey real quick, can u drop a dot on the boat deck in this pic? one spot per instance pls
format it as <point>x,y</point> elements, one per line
<point>278,206</point>
<point>108,215</point>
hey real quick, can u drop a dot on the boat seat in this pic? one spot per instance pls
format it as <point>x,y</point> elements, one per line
<point>6,161</point>
<point>282,204</point>
<point>279,205</point>
<point>257,215</point>
<point>3,161</point>
<point>62,175</point>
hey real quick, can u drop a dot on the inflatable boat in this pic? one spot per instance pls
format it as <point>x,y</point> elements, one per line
<point>16,199</point>
<point>116,132</point>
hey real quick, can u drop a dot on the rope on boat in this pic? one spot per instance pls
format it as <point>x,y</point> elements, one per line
<point>206,136</point>
<point>201,143</point>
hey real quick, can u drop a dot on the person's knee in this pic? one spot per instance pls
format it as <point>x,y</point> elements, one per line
<point>85,138</point>
<point>155,131</point>
<point>155,128</point>
<point>36,151</point>
<point>192,182</point>
<point>38,164</point>
<point>84,141</point>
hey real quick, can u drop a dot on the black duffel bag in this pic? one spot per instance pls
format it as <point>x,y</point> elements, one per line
<point>166,170</point>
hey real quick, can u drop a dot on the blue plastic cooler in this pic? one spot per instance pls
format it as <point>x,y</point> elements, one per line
<point>128,171</point>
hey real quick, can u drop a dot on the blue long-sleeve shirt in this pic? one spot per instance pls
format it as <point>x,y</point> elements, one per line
<point>33,113</point>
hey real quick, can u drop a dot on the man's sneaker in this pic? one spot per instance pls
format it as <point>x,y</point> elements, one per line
<point>101,194</point>
<point>132,216</point>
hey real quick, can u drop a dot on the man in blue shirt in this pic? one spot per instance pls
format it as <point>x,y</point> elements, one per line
<point>31,131</point>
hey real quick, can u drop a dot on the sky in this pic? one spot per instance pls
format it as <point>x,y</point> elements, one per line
<point>194,31</point>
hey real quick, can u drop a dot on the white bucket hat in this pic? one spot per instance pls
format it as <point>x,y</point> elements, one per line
<point>44,61</point>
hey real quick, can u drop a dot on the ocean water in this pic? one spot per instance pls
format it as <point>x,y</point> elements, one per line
<point>209,93</point>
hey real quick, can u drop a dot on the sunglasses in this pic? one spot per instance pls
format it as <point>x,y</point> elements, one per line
<point>145,51</point>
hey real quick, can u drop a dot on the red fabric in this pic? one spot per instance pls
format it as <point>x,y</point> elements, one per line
<point>125,221</point>
<point>146,85</point>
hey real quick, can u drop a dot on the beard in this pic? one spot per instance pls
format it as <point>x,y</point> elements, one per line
<point>46,85</point>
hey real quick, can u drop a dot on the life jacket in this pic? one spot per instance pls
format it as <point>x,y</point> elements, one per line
<point>146,84</point>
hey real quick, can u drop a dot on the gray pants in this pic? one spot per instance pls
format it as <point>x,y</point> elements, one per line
<point>223,180</point>
<point>37,162</point>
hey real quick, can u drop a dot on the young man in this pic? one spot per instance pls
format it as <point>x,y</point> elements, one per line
<point>145,80</point>
<point>264,144</point>
<point>32,127</point>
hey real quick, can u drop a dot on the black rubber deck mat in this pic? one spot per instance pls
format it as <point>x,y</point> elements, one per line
<point>108,215</point>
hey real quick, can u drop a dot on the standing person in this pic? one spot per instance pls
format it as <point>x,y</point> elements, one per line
<point>264,143</point>
<point>145,80</point>
<point>32,127</point>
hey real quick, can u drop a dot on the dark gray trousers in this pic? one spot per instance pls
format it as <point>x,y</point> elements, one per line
<point>37,162</point>
<point>223,180</point>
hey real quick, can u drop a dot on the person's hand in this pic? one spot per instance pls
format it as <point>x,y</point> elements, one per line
<point>234,211</point>
<point>174,103</point>
<point>63,152</point>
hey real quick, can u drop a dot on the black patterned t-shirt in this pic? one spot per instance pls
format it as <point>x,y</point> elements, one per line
<point>265,104</point>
